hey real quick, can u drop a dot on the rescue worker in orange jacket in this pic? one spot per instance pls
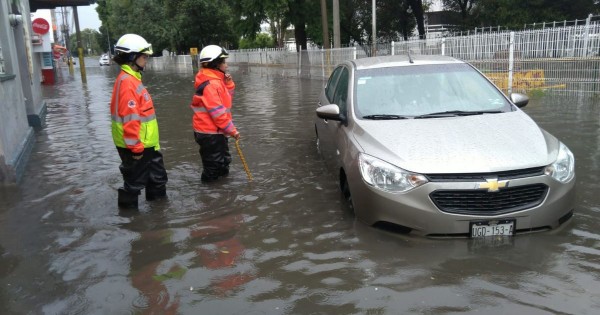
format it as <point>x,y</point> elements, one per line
<point>134,125</point>
<point>212,121</point>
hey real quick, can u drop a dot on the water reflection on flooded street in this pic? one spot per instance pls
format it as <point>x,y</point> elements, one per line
<point>282,244</point>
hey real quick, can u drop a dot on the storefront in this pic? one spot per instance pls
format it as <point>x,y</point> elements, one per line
<point>42,40</point>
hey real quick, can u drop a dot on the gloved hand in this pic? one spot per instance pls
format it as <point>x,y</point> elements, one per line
<point>236,136</point>
<point>228,78</point>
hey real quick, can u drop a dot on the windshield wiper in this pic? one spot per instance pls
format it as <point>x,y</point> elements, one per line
<point>383,117</point>
<point>451,113</point>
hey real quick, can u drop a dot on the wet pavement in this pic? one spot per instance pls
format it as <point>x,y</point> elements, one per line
<point>282,244</point>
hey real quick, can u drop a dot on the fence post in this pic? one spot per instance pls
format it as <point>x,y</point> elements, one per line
<point>322,63</point>
<point>443,46</point>
<point>511,61</point>
<point>354,53</point>
<point>586,36</point>
<point>392,48</point>
<point>299,54</point>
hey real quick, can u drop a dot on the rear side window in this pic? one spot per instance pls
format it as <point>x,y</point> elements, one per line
<point>341,91</point>
<point>330,89</point>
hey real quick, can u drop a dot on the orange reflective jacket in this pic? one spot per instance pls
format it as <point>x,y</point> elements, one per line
<point>212,103</point>
<point>134,124</point>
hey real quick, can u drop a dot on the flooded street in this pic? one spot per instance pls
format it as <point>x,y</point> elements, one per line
<point>282,244</point>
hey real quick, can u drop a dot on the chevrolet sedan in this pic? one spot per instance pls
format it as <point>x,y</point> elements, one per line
<point>428,145</point>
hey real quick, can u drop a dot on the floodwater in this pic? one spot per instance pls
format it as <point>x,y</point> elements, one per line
<point>282,244</point>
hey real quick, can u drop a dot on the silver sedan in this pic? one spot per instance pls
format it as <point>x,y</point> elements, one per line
<point>429,146</point>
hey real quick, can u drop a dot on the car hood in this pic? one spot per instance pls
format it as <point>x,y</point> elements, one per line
<point>461,144</point>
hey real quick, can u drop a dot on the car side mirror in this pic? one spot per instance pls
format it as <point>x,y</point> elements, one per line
<point>331,112</point>
<point>519,99</point>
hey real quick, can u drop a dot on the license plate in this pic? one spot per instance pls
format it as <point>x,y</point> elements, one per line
<point>504,227</point>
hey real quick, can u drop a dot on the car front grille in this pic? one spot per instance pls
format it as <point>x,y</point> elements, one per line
<point>483,202</point>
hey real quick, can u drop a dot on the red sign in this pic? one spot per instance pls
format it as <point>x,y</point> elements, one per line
<point>40,26</point>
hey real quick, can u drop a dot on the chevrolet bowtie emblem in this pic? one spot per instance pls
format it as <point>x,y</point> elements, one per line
<point>493,185</point>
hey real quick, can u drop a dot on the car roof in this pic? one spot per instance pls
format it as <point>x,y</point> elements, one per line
<point>402,60</point>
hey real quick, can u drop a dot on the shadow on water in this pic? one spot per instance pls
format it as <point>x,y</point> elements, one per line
<point>282,244</point>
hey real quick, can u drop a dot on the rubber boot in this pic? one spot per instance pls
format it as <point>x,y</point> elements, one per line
<point>127,200</point>
<point>208,177</point>
<point>156,194</point>
<point>224,171</point>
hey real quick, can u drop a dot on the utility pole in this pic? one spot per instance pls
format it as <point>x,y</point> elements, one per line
<point>66,39</point>
<point>324,24</point>
<point>336,24</point>
<point>374,36</point>
<point>79,48</point>
<point>108,41</point>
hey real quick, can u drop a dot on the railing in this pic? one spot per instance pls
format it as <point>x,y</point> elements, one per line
<point>559,58</point>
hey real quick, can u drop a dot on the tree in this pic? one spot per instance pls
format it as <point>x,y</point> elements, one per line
<point>516,13</point>
<point>464,7</point>
<point>395,21</point>
<point>417,11</point>
<point>89,42</point>
<point>175,25</point>
<point>261,40</point>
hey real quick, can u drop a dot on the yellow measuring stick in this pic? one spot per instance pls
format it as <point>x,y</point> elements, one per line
<point>239,150</point>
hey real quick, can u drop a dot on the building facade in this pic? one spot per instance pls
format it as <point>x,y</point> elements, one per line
<point>22,107</point>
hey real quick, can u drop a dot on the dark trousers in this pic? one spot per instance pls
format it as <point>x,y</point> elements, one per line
<point>214,151</point>
<point>148,172</point>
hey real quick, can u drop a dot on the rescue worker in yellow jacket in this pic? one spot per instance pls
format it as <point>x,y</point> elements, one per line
<point>134,125</point>
<point>212,121</point>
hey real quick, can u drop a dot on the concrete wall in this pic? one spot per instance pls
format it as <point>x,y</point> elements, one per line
<point>16,135</point>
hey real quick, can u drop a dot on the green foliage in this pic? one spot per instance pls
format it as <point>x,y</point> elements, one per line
<point>89,43</point>
<point>175,25</point>
<point>260,41</point>
<point>514,14</point>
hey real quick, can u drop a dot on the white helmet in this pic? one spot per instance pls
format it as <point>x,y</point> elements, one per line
<point>132,43</point>
<point>212,52</point>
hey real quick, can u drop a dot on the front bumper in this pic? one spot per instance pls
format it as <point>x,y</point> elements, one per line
<point>416,210</point>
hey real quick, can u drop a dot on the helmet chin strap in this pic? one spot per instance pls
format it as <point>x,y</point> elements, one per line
<point>138,66</point>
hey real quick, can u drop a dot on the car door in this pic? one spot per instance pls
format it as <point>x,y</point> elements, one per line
<point>336,92</point>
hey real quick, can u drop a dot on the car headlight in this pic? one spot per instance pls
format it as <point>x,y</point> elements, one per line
<point>387,177</point>
<point>563,169</point>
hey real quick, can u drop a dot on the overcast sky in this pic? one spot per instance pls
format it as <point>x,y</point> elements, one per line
<point>88,17</point>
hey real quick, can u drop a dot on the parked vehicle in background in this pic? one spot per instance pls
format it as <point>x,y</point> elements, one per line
<point>104,60</point>
<point>430,146</point>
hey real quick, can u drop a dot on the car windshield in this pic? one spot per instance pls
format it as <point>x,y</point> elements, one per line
<point>419,91</point>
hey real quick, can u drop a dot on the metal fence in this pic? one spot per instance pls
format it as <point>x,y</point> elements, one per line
<point>174,62</point>
<point>559,59</point>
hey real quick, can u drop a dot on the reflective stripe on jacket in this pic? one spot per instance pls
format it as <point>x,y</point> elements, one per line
<point>134,124</point>
<point>212,103</point>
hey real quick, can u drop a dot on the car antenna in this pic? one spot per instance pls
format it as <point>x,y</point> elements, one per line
<point>409,57</point>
